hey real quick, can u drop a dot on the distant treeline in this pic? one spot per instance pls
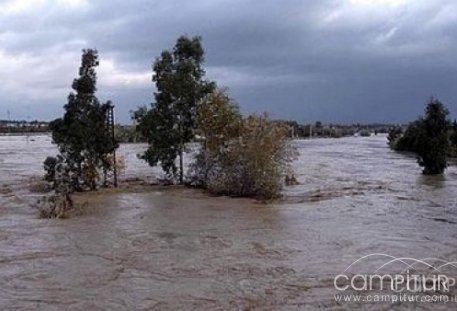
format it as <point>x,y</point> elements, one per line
<point>22,126</point>
<point>318,129</point>
<point>129,134</point>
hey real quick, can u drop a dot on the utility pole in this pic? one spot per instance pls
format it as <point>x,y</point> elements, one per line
<point>110,128</point>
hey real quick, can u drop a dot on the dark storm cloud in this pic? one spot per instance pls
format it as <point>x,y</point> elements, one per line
<point>354,60</point>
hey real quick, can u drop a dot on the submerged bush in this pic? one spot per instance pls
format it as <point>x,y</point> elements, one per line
<point>240,156</point>
<point>365,133</point>
<point>54,206</point>
<point>58,204</point>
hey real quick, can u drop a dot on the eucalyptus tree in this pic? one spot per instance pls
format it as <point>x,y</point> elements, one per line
<point>170,122</point>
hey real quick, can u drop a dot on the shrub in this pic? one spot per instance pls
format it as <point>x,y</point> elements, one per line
<point>58,204</point>
<point>240,156</point>
<point>365,133</point>
<point>49,166</point>
<point>54,206</point>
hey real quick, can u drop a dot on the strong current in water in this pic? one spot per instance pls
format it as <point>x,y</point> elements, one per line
<point>180,249</point>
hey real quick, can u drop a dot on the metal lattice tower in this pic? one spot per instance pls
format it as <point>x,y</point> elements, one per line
<point>110,129</point>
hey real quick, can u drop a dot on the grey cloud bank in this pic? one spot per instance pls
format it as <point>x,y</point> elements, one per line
<point>335,61</point>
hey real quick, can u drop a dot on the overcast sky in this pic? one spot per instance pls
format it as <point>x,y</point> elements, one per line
<point>308,60</point>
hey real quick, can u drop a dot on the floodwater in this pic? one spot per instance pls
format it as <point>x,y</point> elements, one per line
<point>174,249</point>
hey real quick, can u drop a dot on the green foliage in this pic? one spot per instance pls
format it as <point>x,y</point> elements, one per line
<point>393,136</point>
<point>428,137</point>
<point>170,123</point>
<point>81,134</point>
<point>412,139</point>
<point>219,122</point>
<point>50,168</point>
<point>435,144</point>
<point>240,157</point>
<point>57,205</point>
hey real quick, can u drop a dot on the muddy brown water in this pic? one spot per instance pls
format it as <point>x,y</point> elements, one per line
<point>179,249</point>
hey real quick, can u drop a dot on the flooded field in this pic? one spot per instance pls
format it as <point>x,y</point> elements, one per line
<point>172,249</point>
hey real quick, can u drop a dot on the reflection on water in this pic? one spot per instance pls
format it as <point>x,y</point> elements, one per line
<point>179,249</point>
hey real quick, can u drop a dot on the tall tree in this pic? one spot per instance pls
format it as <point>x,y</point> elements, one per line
<point>82,135</point>
<point>434,141</point>
<point>170,123</point>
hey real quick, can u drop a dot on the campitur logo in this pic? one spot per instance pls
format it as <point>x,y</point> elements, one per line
<point>398,275</point>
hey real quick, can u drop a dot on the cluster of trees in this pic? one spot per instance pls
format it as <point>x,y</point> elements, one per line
<point>431,137</point>
<point>238,156</point>
<point>186,107</point>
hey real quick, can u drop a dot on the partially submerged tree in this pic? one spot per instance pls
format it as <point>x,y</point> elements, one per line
<point>240,156</point>
<point>428,136</point>
<point>435,143</point>
<point>81,135</point>
<point>170,123</point>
